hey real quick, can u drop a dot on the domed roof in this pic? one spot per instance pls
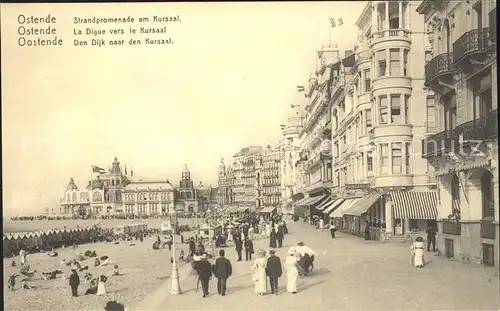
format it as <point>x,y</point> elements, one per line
<point>71,185</point>
<point>185,169</point>
<point>116,167</point>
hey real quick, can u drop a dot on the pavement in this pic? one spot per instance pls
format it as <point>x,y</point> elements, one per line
<point>350,274</point>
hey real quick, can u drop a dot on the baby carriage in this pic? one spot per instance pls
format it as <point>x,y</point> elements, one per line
<point>306,265</point>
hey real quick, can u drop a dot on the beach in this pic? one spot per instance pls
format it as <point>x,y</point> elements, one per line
<point>143,269</point>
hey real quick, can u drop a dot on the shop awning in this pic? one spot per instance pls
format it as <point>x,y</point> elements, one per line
<point>299,202</point>
<point>364,204</point>
<point>415,204</point>
<point>339,212</point>
<point>267,209</point>
<point>325,204</point>
<point>333,206</point>
<point>317,199</point>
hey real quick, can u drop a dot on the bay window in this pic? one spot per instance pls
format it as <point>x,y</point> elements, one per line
<point>369,161</point>
<point>394,63</point>
<point>381,63</point>
<point>431,115</point>
<point>407,109</point>
<point>384,110</point>
<point>406,72</point>
<point>408,152</point>
<point>397,160</point>
<point>482,96</point>
<point>367,81</point>
<point>368,120</point>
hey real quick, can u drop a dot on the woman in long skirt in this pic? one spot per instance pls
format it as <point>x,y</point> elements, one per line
<point>417,250</point>
<point>101,287</point>
<point>259,273</point>
<point>285,228</point>
<point>292,271</point>
<point>272,239</point>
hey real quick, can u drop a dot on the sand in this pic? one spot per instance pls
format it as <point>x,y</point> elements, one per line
<point>144,270</point>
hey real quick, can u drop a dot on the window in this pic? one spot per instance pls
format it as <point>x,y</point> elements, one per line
<point>329,171</point>
<point>384,113</point>
<point>408,153</point>
<point>394,65</point>
<point>428,58</point>
<point>381,60</point>
<point>385,158</point>
<point>397,161</point>
<point>450,112</point>
<point>482,97</point>
<point>368,81</point>
<point>405,63</point>
<point>431,115</point>
<point>369,161</point>
<point>407,109</point>
<point>395,108</point>
<point>368,113</point>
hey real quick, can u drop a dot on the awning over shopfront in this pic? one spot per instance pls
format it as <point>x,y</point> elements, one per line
<point>415,204</point>
<point>267,209</point>
<point>339,212</point>
<point>333,206</point>
<point>325,204</point>
<point>301,201</point>
<point>315,200</point>
<point>364,204</point>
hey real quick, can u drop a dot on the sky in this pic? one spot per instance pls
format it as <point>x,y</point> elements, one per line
<point>226,82</point>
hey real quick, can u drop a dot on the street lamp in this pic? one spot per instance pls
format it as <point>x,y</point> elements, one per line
<point>176,286</point>
<point>210,233</point>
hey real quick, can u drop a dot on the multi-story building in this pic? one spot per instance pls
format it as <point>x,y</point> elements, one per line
<point>252,164</point>
<point>149,198</point>
<point>462,141</point>
<point>315,138</point>
<point>103,194</point>
<point>377,122</point>
<point>271,178</point>
<point>239,182</point>
<point>225,184</point>
<point>290,148</point>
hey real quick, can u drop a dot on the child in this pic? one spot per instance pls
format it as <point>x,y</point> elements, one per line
<point>115,270</point>
<point>181,256</point>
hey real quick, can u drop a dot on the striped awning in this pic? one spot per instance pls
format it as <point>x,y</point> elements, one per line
<point>415,204</point>
<point>316,200</point>
<point>267,209</point>
<point>301,201</point>
<point>339,212</point>
<point>333,206</point>
<point>364,204</point>
<point>472,165</point>
<point>324,204</point>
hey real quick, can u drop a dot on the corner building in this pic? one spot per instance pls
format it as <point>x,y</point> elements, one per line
<point>462,140</point>
<point>380,179</point>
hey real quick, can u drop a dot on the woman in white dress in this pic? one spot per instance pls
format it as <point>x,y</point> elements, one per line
<point>259,273</point>
<point>22,254</point>
<point>101,287</point>
<point>292,271</point>
<point>417,251</point>
<point>268,230</point>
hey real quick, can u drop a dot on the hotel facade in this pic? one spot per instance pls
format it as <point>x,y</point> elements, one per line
<point>462,140</point>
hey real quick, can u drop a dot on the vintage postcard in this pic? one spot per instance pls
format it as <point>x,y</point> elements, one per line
<point>329,155</point>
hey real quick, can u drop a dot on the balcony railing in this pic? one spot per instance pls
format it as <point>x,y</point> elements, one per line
<point>479,129</point>
<point>439,65</point>
<point>471,42</point>
<point>452,227</point>
<point>391,33</point>
<point>488,229</point>
<point>434,144</point>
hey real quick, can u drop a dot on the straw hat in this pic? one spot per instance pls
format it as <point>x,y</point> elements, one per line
<point>261,253</point>
<point>291,251</point>
<point>419,239</point>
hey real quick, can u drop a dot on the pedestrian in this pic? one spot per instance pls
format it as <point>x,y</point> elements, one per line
<point>292,271</point>
<point>74,282</point>
<point>101,286</point>
<point>272,239</point>
<point>280,236</point>
<point>12,281</point>
<point>417,251</point>
<point>367,230</point>
<point>333,229</point>
<point>251,232</point>
<point>431,238</point>
<point>192,247</point>
<point>204,269</point>
<point>222,271</point>
<point>248,249</point>
<point>22,254</point>
<point>285,228</point>
<point>259,273</point>
<point>239,246</point>
<point>273,271</point>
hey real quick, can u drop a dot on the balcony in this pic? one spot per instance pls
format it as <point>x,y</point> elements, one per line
<point>452,227</point>
<point>479,129</point>
<point>488,229</point>
<point>438,69</point>
<point>474,43</point>
<point>402,35</point>
<point>438,143</point>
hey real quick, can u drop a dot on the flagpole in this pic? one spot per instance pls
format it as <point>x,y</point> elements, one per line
<point>329,33</point>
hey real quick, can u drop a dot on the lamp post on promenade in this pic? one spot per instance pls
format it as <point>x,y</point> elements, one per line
<point>210,216</point>
<point>176,286</point>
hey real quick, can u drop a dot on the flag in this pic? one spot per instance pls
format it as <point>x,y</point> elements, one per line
<point>336,22</point>
<point>300,88</point>
<point>97,169</point>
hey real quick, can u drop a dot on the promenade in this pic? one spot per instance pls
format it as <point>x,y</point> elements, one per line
<point>350,274</point>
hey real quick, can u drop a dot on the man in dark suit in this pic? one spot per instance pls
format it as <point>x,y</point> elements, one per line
<point>273,271</point>
<point>192,247</point>
<point>280,236</point>
<point>248,249</point>
<point>222,271</point>
<point>204,269</point>
<point>239,246</point>
<point>431,238</point>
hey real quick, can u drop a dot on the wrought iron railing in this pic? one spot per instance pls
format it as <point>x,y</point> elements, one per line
<point>442,141</point>
<point>443,63</point>
<point>488,229</point>
<point>473,41</point>
<point>478,129</point>
<point>452,227</point>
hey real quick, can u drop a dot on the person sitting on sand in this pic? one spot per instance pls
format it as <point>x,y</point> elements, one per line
<point>25,270</point>
<point>97,263</point>
<point>116,272</point>
<point>25,285</point>
<point>104,263</point>
<point>49,275</point>
<point>13,263</point>
<point>92,290</point>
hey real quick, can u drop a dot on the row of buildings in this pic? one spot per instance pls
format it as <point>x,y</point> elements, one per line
<point>396,135</point>
<point>115,191</point>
